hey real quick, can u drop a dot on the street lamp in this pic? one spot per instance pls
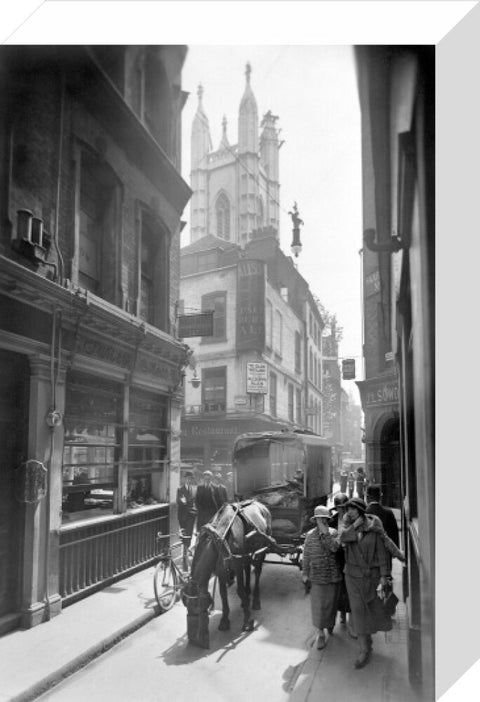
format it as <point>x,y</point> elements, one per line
<point>195,381</point>
<point>296,245</point>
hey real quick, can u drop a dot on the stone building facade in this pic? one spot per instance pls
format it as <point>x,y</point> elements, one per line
<point>90,215</point>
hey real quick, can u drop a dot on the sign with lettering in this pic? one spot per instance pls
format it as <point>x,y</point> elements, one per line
<point>257,378</point>
<point>195,325</point>
<point>385,393</point>
<point>348,369</point>
<point>250,305</point>
<point>372,283</point>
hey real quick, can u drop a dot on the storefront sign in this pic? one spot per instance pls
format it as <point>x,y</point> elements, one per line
<point>384,394</point>
<point>250,305</point>
<point>257,378</point>
<point>195,325</point>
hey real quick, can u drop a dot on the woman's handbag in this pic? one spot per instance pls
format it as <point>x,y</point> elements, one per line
<point>382,620</point>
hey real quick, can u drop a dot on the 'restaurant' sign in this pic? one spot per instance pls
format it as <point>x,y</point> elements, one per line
<point>250,305</point>
<point>257,378</point>
<point>195,325</point>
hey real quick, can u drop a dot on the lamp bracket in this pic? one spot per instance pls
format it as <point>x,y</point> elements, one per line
<point>396,243</point>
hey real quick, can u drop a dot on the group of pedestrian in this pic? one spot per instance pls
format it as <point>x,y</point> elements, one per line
<point>353,481</point>
<point>346,561</point>
<point>197,504</point>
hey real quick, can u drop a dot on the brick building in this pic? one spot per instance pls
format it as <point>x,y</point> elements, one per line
<point>90,206</point>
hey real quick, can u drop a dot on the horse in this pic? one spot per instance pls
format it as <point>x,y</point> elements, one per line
<point>236,537</point>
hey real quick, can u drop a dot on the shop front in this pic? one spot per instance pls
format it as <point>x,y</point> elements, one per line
<point>379,398</point>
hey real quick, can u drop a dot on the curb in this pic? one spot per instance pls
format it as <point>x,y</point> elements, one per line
<point>80,661</point>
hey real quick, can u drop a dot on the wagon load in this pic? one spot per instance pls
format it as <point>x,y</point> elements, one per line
<point>284,502</point>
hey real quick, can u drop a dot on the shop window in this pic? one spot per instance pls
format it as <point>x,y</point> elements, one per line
<point>273,394</point>
<point>217,302</point>
<point>214,389</point>
<point>147,482</point>
<point>92,446</point>
<point>222,211</point>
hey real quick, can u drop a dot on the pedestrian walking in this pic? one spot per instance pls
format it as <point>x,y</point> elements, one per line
<point>187,513</point>
<point>336,522</point>
<point>206,500</point>
<point>386,515</point>
<point>351,484</point>
<point>366,566</point>
<point>321,570</point>
<point>343,480</point>
<point>360,482</point>
<point>220,489</point>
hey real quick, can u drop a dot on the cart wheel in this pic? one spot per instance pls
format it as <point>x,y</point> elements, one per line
<point>165,585</point>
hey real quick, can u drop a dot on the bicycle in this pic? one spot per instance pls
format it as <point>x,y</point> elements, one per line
<point>168,579</point>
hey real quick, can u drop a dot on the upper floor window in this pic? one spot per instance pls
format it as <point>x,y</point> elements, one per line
<point>222,211</point>
<point>290,402</point>
<point>278,333</point>
<point>216,301</point>
<point>153,267</point>
<point>214,389</point>
<point>298,398</point>
<point>298,352</point>
<point>151,95</point>
<point>273,394</point>
<point>98,210</point>
<point>269,324</point>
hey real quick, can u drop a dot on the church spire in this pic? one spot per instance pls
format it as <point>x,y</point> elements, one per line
<point>248,117</point>
<point>224,143</point>
<point>201,139</point>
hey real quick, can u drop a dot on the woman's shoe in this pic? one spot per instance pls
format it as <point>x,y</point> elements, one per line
<point>321,642</point>
<point>330,630</point>
<point>362,659</point>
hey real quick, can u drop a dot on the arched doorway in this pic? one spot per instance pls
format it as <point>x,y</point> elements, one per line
<point>387,439</point>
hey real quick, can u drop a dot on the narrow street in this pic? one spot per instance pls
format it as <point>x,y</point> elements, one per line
<point>275,662</point>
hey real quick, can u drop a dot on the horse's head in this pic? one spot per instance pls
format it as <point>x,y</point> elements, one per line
<point>197,603</point>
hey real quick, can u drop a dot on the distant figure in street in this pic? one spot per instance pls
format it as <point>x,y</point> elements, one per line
<point>360,481</point>
<point>321,570</point>
<point>206,500</point>
<point>230,486</point>
<point>187,513</point>
<point>343,480</point>
<point>351,484</point>
<point>387,517</point>
<point>366,566</point>
<point>220,488</point>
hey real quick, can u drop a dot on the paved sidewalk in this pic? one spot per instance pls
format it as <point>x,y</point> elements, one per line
<point>34,659</point>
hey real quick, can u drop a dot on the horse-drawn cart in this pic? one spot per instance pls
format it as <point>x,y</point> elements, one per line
<point>290,473</point>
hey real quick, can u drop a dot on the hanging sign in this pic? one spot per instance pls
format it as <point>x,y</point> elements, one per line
<point>195,325</point>
<point>348,369</point>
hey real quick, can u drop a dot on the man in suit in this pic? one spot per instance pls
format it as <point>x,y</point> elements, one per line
<point>206,500</point>
<point>221,490</point>
<point>387,517</point>
<point>187,513</point>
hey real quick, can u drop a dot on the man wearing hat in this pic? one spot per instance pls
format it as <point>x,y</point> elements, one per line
<point>321,569</point>
<point>206,500</point>
<point>186,512</point>
<point>366,566</point>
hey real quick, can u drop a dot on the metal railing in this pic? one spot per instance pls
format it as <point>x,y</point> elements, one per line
<point>94,555</point>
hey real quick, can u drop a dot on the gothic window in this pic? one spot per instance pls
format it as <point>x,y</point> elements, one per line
<point>222,210</point>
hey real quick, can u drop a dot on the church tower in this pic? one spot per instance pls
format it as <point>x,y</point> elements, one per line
<point>249,206</point>
<point>269,147</point>
<point>201,145</point>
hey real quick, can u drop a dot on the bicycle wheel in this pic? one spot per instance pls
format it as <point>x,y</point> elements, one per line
<point>165,585</point>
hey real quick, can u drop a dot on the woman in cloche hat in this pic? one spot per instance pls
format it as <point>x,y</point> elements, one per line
<point>322,571</point>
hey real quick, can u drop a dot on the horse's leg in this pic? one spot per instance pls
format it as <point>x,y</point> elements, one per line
<point>247,573</point>
<point>222,586</point>
<point>258,565</point>
<point>248,622</point>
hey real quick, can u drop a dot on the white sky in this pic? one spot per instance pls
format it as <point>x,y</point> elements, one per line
<point>313,91</point>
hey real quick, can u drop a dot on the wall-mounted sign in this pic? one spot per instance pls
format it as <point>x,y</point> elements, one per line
<point>195,325</point>
<point>250,305</point>
<point>257,378</point>
<point>348,369</point>
<point>385,393</point>
<point>372,283</point>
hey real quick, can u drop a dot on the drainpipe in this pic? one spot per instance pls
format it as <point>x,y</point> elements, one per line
<point>61,266</point>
